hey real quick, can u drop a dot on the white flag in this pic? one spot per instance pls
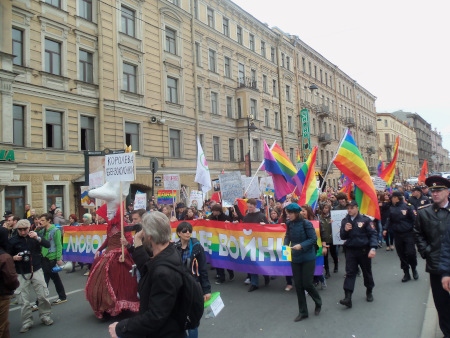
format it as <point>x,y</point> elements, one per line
<point>202,175</point>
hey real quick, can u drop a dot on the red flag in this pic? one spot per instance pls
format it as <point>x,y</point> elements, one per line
<point>217,197</point>
<point>423,172</point>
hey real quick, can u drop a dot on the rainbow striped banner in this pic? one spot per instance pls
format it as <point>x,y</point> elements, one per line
<point>245,247</point>
<point>166,196</point>
<point>81,242</point>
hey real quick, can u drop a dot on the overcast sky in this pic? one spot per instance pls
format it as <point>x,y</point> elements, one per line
<point>399,50</point>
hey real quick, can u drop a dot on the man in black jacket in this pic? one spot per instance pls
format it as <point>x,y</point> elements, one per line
<point>401,221</point>
<point>25,247</point>
<point>418,199</point>
<point>159,285</point>
<point>432,223</point>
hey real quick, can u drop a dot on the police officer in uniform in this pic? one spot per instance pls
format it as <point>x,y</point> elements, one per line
<point>432,223</point>
<point>418,199</point>
<point>361,244</point>
<point>401,221</point>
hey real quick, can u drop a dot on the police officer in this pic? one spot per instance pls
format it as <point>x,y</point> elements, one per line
<point>418,199</point>
<point>360,246</point>
<point>432,223</point>
<point>401,222</point>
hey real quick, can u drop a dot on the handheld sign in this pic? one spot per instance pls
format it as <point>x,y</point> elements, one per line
<point>120,167</point>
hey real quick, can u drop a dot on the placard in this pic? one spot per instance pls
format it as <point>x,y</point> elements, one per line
<point>196,199</point>
<point>251,187</point>
<point>231,187</point>
<point>266,186</point>
<point>166,196</point>
<point>120,167</point>
<point>171,181</point>
<point>379,183</point>
<point>86,201</point>
<point>140,201</point>
<point>337,216</point>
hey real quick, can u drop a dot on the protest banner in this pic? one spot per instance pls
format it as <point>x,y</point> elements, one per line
<point>337,216</point>
<point>379,183</point>
<point>230,187</point>
<point>120,167</point>
<point>86,201</point>
<point>251,186</point>
<point>196,199</point>
<point>140,201</point>
<point>166,196</point>
<point>80,243</point>
<point>171,181</point>
<point>266,186</point>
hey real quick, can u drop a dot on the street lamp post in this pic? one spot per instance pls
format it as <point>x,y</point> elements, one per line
<point>250,127</point>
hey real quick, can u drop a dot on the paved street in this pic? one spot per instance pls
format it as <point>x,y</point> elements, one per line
<point>398,309</point>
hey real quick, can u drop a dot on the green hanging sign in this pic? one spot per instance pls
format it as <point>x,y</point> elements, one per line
<point>7,155</point>
<point>306,134</point>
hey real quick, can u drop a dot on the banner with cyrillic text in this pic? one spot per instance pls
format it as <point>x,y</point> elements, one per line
<point>80,243</point>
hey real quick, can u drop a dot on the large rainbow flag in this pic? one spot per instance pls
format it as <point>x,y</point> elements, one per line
<point>349,161</point>
<point>389,172</point>
<point>281,186</point>
<point>288,169</point>
<point>310,192</point>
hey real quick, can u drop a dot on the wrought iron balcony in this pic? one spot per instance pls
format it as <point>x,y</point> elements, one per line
<point>371,150</point>
<point>323,111</point>
<point>370,129</point>
<point>324,138</point>
<point>349,121</point>
<point>246,82</point>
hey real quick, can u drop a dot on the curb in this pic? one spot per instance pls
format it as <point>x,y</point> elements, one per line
<point>430,326</point>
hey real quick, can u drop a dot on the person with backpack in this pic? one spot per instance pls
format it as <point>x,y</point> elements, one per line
<point>193,257</point>
<point>171,301</point>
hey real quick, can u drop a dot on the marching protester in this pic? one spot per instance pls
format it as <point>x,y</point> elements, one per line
<point>432,223</point>
<point>194,259</point>
<point>361,244</point>
<point>301,237</point>
<point>327,240</point>
<point>401,221</point>
<point>159,286</point>
<point>9,282</point>
<point>25,247</point>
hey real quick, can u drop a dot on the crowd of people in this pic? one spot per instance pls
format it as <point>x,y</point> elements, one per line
<point>411,217</point>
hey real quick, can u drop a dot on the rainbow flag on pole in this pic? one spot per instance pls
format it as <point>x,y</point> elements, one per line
<point>307,175</point>
<point>349,161</point>
<point>388,173</point>
<point>288,169</point>
<point>281,187</point>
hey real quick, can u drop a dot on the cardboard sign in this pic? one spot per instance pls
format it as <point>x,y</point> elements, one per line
<point>251,187</point>
<point>171,181</point>
<point>196,199</point>
<point>379,183</point>
<point>120,167</point>
<point>231,187</point>
<point>337,216</point>
<point>140,201</point>
<point>266,186</point>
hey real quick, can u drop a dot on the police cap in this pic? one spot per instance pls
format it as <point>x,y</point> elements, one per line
<point>437,183</point>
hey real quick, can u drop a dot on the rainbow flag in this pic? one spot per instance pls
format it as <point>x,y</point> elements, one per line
<point>310,192</point>
<point>281,186</point>
<point>299,160</point>
<point>349,161</point>
<point>81,242</point>
<point>388,173</point>
<point>346,186</point>
<point>288,169</point>
<point>166,196</point>
<point>380,166</point>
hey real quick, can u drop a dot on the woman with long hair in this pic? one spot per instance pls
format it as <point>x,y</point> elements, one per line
<point>301,237</point>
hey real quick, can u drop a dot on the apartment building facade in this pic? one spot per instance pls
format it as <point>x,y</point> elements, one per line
<point>90,75</point>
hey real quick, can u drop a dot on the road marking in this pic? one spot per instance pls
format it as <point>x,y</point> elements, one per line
<point>50,299</point>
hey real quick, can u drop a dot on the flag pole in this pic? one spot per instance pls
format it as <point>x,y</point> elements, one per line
<point>331,162</point>
<point>257,170</point>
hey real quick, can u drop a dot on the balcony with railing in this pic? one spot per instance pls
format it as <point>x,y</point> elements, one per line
<point>349,121</point>
<point>370,129</point>
<point>247,82</point>
<point>370,150</point>
<point>324,138</point>
<point>323,111</point>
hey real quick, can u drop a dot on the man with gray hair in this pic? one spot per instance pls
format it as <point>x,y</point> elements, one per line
<point>25,247</point>
<point>160,283</point>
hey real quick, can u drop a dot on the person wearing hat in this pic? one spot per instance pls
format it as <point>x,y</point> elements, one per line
<point>180,211</point>
<point>427,193</point>
<point>301,237</point>
<point>25,248</point>
<point>360,245</point>
<point>432,223</point>
<point>5,217</point>
<point>401,222</point>
<point>418,199</point>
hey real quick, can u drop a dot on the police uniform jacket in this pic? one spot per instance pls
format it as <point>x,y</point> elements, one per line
<point>430,227</point>
<point>444,265</point>
<point>362,234</point>
<point>419,202</point>
<point>401,218</point>
<point>19,244</point>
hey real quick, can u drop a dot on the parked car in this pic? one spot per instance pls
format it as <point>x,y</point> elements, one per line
<point>412,180</point>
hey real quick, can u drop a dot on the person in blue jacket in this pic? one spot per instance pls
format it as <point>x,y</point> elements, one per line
<point>301,237</point>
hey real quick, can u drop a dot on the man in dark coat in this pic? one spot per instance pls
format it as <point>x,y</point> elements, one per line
<point>432,223</point>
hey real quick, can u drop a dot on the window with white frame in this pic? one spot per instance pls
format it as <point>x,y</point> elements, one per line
<point>277,120</point>
<point>241,74</point>
<point>214,103</point>
<point>226,26</point>
<point>175,143</point>
<point>216,148</point>
<point>239,108</point>
<point>239,34</point>
<point>18,126</point>
<point>198,55</point>
<point>172,89</point>
<point>272,54</point>
<point>251,42</point>
<point>288,93</point>
<point>199,98</point>
<point>55,195</point>
<point>253,73</point>
<point>129,81</point>
<point>171,42</point>
<point>231,149</point>
<point>128,21</point>
<point>18,46</point>
<point>288,62</point>
<point>263,49</point>
<point>229,107</point>
<point>55,3</point>
<point>241,150</point>
<point>256,150</point>
<point>212,60</point>
<point>274,88</point>
<point>291,154</point>
<point>289,122</point>
<point>210,14</point>
<point>282,59</point>
<point>132,135</point>
<point>175,2</point>
<point>253,109</point>
<point>85,9</point>
<point>227,67</point>
<point>85,66</point>
<point>53,57</point>
<point>87,133</point>
<point>266,117</point>
<point>53,129</point>
<point>265,83</point>
<point>196,9</point>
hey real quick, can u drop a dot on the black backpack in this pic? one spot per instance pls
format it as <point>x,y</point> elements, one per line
<point>190,305</point>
